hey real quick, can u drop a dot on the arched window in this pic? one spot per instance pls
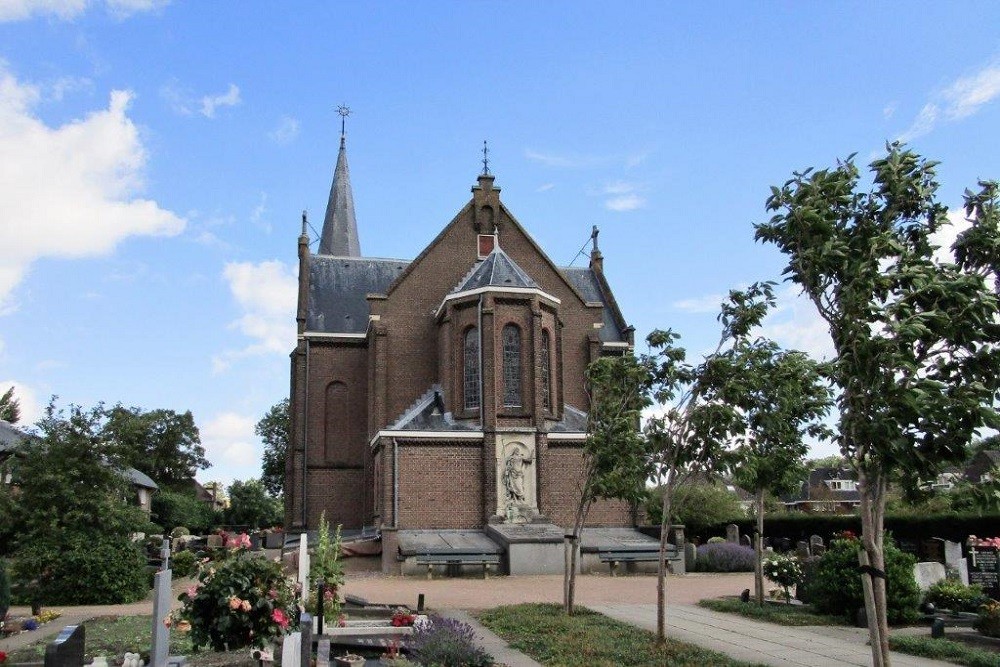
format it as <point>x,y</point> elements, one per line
<point>511,366</point>
<point>544,369</point>
<point>470,365</point>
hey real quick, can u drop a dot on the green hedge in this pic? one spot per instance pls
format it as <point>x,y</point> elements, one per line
<point>951,526</point>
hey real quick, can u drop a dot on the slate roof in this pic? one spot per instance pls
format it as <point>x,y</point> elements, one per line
<point>573,421</point>
<point>815,489</point>
<point>497,270</point>
<point>585,280</point>
<point>340,228</point>
<point>337,289</point>
<point>427,414</point>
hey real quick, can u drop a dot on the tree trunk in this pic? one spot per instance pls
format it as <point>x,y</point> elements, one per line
<point>573,545</point>
<point>661,566</point>
<point>758,549</point>
<point>873,489</point>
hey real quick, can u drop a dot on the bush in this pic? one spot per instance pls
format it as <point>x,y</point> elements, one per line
<point>956,596</point>
<point>4,589</point>
<point>716,540</point>
<point>241,600</point>
<point>179,531</point>
<point>102,569</point>
<point>697,506</point>
<point>784,571</point>
<point>988,622</point>
<point>183,563</point>
<point>172,509</point>
<point>449,643</point>
<point>836,585</point>
<point>724,557</point>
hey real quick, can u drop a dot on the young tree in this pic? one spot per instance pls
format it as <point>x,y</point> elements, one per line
<point>781,399</point>
<point>696,423</point>
<point>273,430</point>
<point>616,464</point>
<point>250,505</point>
<point>914,334</point>
<point>10,407</point>
<point>163,444</point>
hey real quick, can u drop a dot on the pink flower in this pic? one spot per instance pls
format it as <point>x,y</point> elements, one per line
<point>328,595</point>
<point>246,605</point>
<point>273,594</point>
<point>235,603</point>
<point>279,617</point>
<point>192,591</point>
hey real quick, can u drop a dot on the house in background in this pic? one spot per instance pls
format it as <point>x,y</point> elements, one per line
<point>11,439</point>
<point>830,490</point>
<point>981,467</point>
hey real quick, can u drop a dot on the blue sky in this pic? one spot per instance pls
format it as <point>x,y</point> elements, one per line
<point>155,157</point>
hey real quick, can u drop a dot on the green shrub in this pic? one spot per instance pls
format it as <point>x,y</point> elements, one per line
<point>697,506</point>
<point>988,622</point>
<point>956,596</point>
<point>836,584</point>
<point>102,569</point>
<point>724,557</point>
<point>326,565</point>
<point>716,540</point>
<point>183,563</point>
<point>179,531</point>
<point>4,589</point>
<point>172,509</point>
<point>241,600</point>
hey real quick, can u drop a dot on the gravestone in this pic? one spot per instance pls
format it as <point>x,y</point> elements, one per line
<point>953,560</point>
<point>745,540</point>
<point>733,533</point>
<point>214,542</point>
<point>815,541</point>
<point>67,649</point>
<point>928,573</point>
<point>306,635</point>
<point>303,576</point>
<point>161,609</point>
<point>984,569</point>
<point>291,650</point>
<point>690,556</point>
<point>802,550</point>
<point>323,653</point>
<point>783,544</point>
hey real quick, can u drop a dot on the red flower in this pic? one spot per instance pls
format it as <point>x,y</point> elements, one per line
<point>3,657</point>
<point>279,617</point>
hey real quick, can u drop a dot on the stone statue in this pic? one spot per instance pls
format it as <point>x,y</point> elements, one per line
<point>513,476</point>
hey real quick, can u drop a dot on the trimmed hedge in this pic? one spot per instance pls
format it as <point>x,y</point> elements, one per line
<point>951,526</point>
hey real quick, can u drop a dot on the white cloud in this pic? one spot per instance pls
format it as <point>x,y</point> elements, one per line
<point>545,187</point>
<point>209,103</point>
<point>69,191</point>
<point>961,99</point>
<point>286,131</point>
<point>19,10</point>
<point>565,161</point>
<point>946,235</point>
<point>624,196</point>
<point>794,324</point>
<point>889,109</point>
<point>180,99</point>
<point>267,294</point>
<point>31,409</point>
<point>231,446</point>
<point>710,303</point>
<point>258,213</point>
<point>64,85</point>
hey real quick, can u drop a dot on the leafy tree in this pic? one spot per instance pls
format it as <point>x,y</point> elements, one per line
<point>72,500</point>
<point>697,505</point>
<point>615,459</point>
<point>163,444</point>
<point>179,508</point>
<point>10,407</point>
<point>273,429</point>
<point>832,461</point>
<point>914,334</point>
<point>781,399</point>
<point>250,505</point>
<point>690,435</point>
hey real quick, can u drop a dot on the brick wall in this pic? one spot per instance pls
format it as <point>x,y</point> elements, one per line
<point>560,492</point>
<point>440,485</point>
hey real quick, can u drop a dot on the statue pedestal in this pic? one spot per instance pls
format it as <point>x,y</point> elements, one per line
<point>532,548</point>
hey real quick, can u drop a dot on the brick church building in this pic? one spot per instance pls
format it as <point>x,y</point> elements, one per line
<point>444,392</point>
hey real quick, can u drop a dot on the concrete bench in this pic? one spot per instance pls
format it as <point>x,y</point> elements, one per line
<point>644,556</point>
<point>430,560</point>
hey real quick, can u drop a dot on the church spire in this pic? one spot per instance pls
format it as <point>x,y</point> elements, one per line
<point>340,229</point>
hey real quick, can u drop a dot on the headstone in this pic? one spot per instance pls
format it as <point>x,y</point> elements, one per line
<point>953,560</point>
<point>303,576</point>
<point>690,556</point>
<point>323,653</point>
<point>784,545</point>
<point>984,569</point>
<point>802,550</point>
<point>306,637</point>
<point>291,650</point>
<point>818,550</point>
<point>99,661</point>
<point>928,573</point>
<point>733,533</point>
<point>815,541</point>
<point>67,649</point>
<point>213,541</point>
<point>161,609</point>
<point>745,541</point>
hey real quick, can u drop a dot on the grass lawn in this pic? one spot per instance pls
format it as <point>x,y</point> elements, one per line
<point>780,614</point>
<point>945,649</point>
<point>588,638</point>
<point>112,636</point>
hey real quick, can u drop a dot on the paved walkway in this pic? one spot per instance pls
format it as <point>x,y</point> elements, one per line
<point>630,599</point>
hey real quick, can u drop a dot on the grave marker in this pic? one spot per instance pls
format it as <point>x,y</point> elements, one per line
<point>984,569</point>
<point>67,649</point>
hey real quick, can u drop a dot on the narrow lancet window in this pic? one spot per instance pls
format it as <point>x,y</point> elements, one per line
<point>546,374</point>
<point>511,366</point>
<point>471,369</point>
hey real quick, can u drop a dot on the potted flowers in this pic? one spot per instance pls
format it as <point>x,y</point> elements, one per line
<point>349,660</point>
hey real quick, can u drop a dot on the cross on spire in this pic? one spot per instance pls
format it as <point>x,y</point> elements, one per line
<point>486,159</point>
<point>344,112</point>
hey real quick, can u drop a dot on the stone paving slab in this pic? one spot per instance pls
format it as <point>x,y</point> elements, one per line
<point>757,642</point>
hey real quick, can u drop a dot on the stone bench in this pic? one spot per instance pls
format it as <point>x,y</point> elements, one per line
<point>430,560</point>
<point>634,556</point>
